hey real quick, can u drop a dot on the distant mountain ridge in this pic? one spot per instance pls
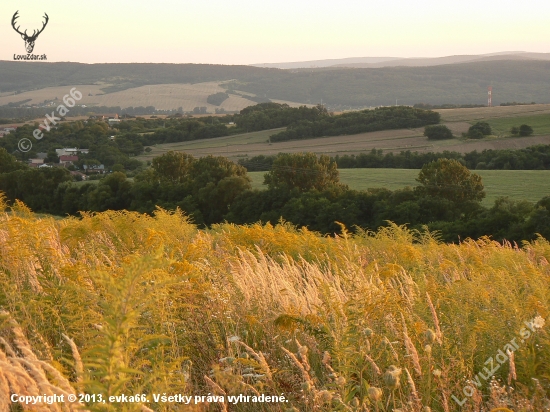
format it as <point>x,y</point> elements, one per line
<point>311,64</point>
<point>378,62</point>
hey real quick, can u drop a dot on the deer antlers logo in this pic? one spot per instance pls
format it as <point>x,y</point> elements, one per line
<point>29,40</point>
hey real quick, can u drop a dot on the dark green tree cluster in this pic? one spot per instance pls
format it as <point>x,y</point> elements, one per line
<point>523,130</point>
<point>530,158</point>
<point>266,116</point>
<point>217,99</point>
<point>479,130</point>
<point>438,132</point>
<point>382,118</point>
<point>303,171</point>
<point>185,130</point>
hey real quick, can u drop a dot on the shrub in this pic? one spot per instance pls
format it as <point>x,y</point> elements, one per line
<point>525,130</point>
<point>217,98</point>
<point>514,130</point>
<point>475,134</point>
<point>438,132</point>
<point>478,130</point>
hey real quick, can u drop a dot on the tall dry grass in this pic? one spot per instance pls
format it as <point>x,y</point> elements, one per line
<point>120,302</point>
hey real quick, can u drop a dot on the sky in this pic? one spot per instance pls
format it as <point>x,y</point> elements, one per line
<point>267,31</point>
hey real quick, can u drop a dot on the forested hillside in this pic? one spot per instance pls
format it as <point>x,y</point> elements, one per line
<point>336,87</point>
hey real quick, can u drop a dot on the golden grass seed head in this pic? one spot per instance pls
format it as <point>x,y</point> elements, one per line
<point>374,393</point>
<point>368,332</point>
<point>429,336</point>
<point>326,358</point>
<point>302,350</point>
<point>325,396</point>
<point>392,377</point>
<point>428,349</point>
<point>355,402</point>
<point>340,381</point>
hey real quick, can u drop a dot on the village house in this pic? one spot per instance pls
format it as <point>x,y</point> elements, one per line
<point>67,160</point>
<point>93,169</point>
<point>7,130</point>
<point>71,151</point>
<point>36,162</point>
<point>103,117</point>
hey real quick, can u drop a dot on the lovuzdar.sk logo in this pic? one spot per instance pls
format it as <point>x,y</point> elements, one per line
<point>29,40</point>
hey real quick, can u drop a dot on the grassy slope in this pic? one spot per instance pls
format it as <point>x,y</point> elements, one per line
<point>529,185</point>
<point>502,118</point>
<point>540,124</point>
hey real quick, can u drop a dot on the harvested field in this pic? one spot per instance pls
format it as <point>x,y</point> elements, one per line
<point>161,96</point>
<point>254,144</point>
<point>51,93</point>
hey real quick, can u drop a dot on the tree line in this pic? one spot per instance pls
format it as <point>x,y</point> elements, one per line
<point>531,158</point>
<point>382,118</point>
<point>18,113</point>
<point>301,188</point>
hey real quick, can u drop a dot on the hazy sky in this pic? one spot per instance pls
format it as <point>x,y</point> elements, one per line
<point>247,31</point>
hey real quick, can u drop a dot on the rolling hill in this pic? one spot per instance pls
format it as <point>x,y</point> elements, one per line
<point>337,88</point>
<point>372,62</point>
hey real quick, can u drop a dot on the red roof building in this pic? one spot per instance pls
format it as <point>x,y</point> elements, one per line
<point>68,158</point>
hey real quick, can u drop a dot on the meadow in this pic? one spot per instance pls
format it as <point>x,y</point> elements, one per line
<point>530,185</point>
<point>123,303</point>
<point>540,124</point>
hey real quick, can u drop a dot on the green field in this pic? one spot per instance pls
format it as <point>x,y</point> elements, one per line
<point>539,123</point>
<point>531,185</point>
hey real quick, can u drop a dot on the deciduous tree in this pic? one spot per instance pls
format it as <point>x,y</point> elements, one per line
<point>451,180</point>
<point>304,171</point>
